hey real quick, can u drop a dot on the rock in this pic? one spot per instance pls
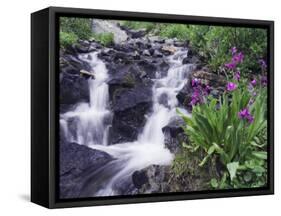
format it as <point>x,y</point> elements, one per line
<point>129,107</point>
<point>139,178</point>
<point>190,60</point>
<point>87,74</point>
<point>181,43</point>
<point>148,67</point>
<point>146,53</point>
<point>109,26</point>
<point>73,89</point>
<point>137,33</point>
<point>153,179</point>
<point>163,68</point>
<point>210,78</point>
<point>156,39</point>
<point>74,160</point>
<point>174,135</point>
<point>168,50</point>
<point>157,54</point>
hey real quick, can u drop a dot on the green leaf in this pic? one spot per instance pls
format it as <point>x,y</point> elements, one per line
<point>232,168</point>
<point>214,183</point>
<point>260,154</point>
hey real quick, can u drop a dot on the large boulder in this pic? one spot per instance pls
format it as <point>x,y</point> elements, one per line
<point>76,159</point>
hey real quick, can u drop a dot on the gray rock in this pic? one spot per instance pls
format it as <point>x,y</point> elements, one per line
<point>76,159</point>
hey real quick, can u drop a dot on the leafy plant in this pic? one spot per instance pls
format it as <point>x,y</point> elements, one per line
<point>67,39</point>
<point>224,127</point>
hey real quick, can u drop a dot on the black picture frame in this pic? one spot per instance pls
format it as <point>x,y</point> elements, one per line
<point>44,106</point>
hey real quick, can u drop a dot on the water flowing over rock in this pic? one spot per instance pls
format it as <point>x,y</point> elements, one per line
<point>125,112</point>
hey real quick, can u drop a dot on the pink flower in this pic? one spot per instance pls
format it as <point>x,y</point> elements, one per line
<point>231,86</point>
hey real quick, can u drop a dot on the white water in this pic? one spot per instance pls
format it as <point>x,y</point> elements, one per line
<point>149,148</point>
<point>90,118</point>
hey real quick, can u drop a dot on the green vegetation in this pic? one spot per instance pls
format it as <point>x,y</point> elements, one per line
<point>67,39</point>
<point>139,25</point>
<point>104,38</point>
<point>213,43</point>
<point>231,128</point>
<point>72,29</point>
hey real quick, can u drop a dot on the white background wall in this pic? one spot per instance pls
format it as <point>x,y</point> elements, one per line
<point>15,106</point>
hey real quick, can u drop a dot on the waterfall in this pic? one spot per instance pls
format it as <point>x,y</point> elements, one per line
<point>148,149</point>
<point>90,120</point>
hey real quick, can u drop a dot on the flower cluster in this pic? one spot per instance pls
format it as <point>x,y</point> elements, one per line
<point>235,60</point>
<point>246,115</point>
<point>199,91</point>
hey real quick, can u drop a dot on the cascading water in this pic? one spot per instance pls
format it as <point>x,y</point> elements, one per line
<point>90,120</point>
<point>147,150</point>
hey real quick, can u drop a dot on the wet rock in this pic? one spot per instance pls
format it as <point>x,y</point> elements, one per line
<point>153,179</point>
<point>129,107</point>
<point>74,160</point>
<point>191,60</point>
<point>174,135</point>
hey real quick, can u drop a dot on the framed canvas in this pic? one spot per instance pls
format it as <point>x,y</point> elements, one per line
<point>139,107</point>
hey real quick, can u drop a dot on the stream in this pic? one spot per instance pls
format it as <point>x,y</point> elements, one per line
<point>93,120</point>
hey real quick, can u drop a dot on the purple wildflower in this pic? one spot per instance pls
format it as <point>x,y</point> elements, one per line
<point>231,86</point>
<point>207,89</point>
<point>237,75</point>
<point>195,98</point>
<point>238,58</point>
<point>245,114</point>
<point>263,64</point>
<point>253,82</point>
<point>264,81</point>
<point>230,66</point>
<point>195,82</point>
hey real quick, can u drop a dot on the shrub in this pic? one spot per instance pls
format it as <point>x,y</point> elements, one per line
<point>67,39</point>
<point>81,27</point>
<point>104,38</point>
